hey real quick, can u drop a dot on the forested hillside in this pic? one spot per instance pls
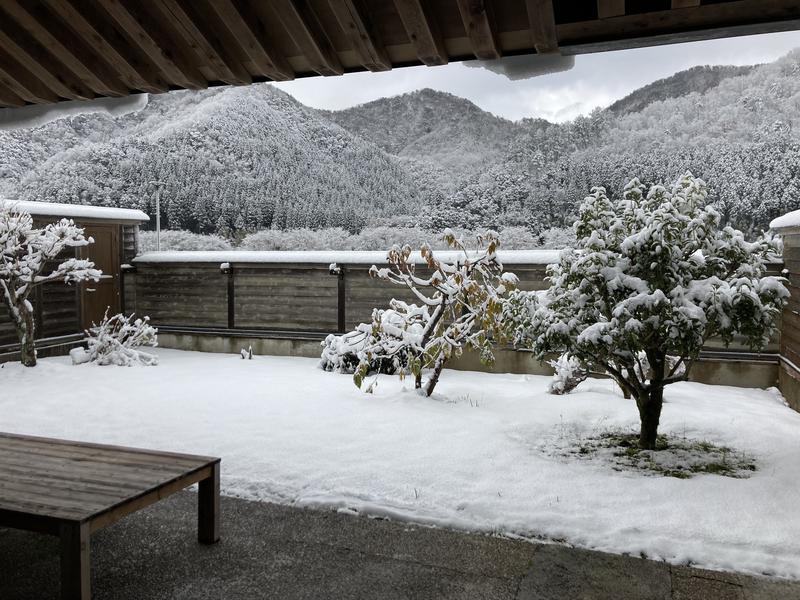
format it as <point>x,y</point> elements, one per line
<point>243,159</point>
<point>236,158</point>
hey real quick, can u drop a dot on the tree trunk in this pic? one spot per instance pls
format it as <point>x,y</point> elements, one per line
<point>650,414</point>
<point>434,378</point>
<point>26,330</point>
<point>418,381</point>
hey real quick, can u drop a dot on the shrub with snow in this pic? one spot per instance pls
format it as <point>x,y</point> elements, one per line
<point>654,276</point>
<point>181,240</point>
<point>27,255</point>
<point>460,305</point>
<point>569,373</point>
<point>342,353</point>
<point>116,341</point>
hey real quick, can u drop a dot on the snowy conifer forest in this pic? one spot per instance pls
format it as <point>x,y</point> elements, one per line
<point>237,161</point>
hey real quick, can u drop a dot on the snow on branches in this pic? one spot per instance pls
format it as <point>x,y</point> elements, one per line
<point>653,277</point>
<point>115,341</point>
<point>27,255</point>
<point>458,305</point>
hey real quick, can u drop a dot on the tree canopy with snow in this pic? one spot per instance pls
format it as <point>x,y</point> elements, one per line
<point>653,277</point>
<point>30,257</point>
<point>459,306</point>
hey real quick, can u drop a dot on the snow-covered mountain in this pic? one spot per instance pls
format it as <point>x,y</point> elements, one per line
<point>241,159</point>
<point>231,158</point>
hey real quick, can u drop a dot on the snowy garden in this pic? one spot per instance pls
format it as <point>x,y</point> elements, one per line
<point>618,451</point>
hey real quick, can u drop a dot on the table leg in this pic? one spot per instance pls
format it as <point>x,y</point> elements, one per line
<point>208,508</point>
<point>75,561</point>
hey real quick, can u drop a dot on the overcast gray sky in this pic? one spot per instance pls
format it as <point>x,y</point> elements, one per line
<point>596,80</point>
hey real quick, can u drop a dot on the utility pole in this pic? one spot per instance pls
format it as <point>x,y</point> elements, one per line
<point>159,185</point>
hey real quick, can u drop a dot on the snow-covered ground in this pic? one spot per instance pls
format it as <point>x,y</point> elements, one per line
<point>476,456</point>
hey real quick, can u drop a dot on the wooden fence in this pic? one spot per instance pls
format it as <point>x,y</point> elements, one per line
<point>292,297</point>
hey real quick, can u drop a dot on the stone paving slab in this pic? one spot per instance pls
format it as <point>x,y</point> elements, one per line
<point>273,551</point>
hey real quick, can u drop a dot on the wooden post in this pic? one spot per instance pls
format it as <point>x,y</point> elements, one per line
<point>231,299</point>
<point>208,508</point>
<point>75,582</point>
<point>341,314</point>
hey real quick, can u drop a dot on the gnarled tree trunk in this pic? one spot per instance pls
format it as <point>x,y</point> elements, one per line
<point>26,332</point>
<point>649,414</point>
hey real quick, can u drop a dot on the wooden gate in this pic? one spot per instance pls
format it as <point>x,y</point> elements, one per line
<point>96,297</point>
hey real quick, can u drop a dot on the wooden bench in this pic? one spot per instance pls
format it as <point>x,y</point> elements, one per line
<point>72,489</point>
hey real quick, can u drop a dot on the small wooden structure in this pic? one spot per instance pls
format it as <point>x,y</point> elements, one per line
<point>72,489</point>
<point>64,312</point>
<point>54,50</point>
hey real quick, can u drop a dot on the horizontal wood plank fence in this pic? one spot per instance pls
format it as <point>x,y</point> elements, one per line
<point>300,298</point>
<point>308,299</point>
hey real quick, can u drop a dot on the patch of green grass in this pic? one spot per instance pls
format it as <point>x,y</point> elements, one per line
<point>677,457</point>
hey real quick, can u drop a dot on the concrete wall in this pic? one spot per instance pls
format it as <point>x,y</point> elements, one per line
<point>710,370</point>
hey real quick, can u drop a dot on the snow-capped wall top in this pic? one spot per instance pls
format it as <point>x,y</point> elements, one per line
<point>786,221</point>
<point>329,257</point>
<point>76,211</point>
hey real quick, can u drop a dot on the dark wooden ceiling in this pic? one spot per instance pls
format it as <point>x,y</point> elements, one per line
<point>53,50</point>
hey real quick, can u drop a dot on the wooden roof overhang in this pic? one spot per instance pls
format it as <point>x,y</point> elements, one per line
<point>54,50</point>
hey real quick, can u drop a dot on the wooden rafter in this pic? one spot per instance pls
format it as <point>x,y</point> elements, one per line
<point>153,38</point>
<point>542,20</point>
<point>610,8</point>
<point>423,31</point>
<point>685,3</point>
<point>305,29</point>
<point>9,99</point>
<point>354,17</point>
<point>66,47</point>
<point>479,24</point>
<point>105,40</point>
<point>245,26</point>
<point>23,83</point>
<point>211,43</point>
<point>35,59</point>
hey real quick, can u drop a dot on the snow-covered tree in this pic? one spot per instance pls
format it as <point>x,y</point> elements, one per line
<point>30,257</point>
<point>460,305</point>
<point>654,276</point>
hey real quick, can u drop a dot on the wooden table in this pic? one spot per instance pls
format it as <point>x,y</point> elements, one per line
<point>72,489</point>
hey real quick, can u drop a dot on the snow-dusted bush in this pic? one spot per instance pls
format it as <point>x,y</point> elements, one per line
<point>569,373</point>
<point>556,237</point>
<point>460,305</point>
<point>181,240</point>
<point>332,238</point>
<point>656,275</point>
<point>26,261</point>
<point>116,341</point>
<point>341,353</point>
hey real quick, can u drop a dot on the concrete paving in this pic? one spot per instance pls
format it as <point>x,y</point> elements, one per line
<point>273,551</point>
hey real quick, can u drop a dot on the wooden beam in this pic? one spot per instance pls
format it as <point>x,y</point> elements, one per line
<point>479,23</point>
<point>66,47</point>
<point>21,82</point>
<point>156,41</point>
<point>611,8</point>
<point>703,22</point>
<point>685,3</point>
<point>36,60</point>
<point>423,31</point>
<point>109,44</point>
<point>305,29</point>
<point>9,99</point>
<point>246,28</point>
<point>542,21</point>
<point>355,20</point>
<point>213,43</point>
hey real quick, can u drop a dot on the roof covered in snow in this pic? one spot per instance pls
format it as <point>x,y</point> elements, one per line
<point>787,221</point>
<point>77,211</point>
<point>327,257</point>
